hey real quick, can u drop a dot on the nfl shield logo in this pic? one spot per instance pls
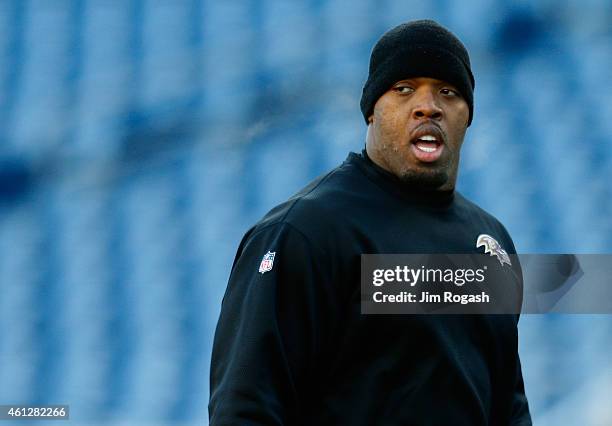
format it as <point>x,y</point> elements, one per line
<point>267,262</point>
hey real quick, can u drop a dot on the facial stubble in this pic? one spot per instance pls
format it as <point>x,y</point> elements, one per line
<point>423,176</point>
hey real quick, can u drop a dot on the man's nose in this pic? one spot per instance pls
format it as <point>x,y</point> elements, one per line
<point>426,106</point>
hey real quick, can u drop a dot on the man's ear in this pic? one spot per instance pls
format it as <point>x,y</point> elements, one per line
<point>371,119</point>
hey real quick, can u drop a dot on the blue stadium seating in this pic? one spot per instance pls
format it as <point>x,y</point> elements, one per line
<point>140,140</point>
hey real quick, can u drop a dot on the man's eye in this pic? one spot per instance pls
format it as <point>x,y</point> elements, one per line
<point>449,92</point>
<point>404,89</point>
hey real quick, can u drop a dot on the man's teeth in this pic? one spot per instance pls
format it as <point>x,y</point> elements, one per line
<point>427,143</point>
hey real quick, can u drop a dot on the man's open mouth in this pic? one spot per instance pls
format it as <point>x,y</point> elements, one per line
<point>427,147</point>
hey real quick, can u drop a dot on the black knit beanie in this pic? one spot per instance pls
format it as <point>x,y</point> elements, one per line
<point>417,49</point>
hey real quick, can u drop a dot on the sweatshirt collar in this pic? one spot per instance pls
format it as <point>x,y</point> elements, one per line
<point>393,184</point>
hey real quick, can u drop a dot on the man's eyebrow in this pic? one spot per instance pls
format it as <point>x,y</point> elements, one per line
<point>414,79</point>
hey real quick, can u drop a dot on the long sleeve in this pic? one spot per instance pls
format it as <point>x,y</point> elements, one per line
<point>520,415</point>
<point>520,407</point>
<point>273,328</point>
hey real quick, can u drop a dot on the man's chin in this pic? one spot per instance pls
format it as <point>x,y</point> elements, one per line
<point>425,179</point>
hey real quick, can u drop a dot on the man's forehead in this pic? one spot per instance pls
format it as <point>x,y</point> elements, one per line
<point>425,80</point>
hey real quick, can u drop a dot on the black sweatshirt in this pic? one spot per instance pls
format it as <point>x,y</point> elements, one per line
<point>292,348</point>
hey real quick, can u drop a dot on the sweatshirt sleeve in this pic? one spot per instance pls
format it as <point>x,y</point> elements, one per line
<point>273,328</point>
<point>520,407</point>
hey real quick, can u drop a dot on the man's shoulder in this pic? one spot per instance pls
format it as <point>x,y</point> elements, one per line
<point>319,206</point>
<point>472,207</point>
<point>486,218</point>
<point>319,198</point>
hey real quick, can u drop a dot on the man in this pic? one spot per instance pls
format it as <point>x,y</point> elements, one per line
<point>292,346</point>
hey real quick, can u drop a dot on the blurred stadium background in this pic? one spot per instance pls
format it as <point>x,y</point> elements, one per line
<point>140,139</point>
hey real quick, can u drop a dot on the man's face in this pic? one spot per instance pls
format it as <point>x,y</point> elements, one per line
<point>416,132</point>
